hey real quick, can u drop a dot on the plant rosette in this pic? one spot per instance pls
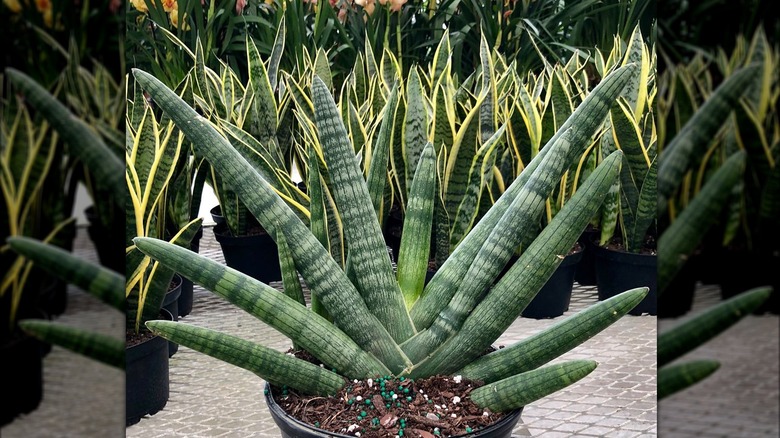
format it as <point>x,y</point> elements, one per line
<point>382,322</point>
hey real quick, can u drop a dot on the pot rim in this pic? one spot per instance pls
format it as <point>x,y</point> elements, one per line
<point>512,416</point>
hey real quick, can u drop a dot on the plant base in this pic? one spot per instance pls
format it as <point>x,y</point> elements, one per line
<point>256,256</point>
<point>554,297</point>
<point>147,380</point>
<point>21,377</point>
<point>618,271</point>
<point>291,427</point>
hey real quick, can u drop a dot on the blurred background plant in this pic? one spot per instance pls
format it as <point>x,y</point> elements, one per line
<point>34,32</point>
<point>739,115</point>
<point>522,30</point>
<point>687,28</point>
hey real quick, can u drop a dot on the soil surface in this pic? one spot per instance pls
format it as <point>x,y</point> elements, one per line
<point>649,247</point>
<point>437,406</point>
<point>132,338</point>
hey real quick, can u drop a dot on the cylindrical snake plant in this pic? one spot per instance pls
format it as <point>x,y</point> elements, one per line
<point>375,329</point>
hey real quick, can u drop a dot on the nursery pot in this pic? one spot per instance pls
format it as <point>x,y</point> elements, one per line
<point>21,376</point>
<point>291,427</point>
<point>586,268</point>
<point>393,227</point>
<point>256,255</point>
<point>748,270</point>
<point>186,297</point>
<point>109,244</point>
<point>677,299</point>
<point>554,297</point>
<point>146,377</point>
<point>619,271</point>
<point>216,215</point>
<point>171,304</point>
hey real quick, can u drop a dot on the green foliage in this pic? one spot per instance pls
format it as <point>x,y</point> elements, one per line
<point>153,149</point>
<point>692,332</point>
<point>372,327</point>
<point>100,282</point>
<point>706,125</point>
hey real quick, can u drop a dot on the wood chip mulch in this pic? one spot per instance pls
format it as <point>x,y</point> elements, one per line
<point>393,407</point>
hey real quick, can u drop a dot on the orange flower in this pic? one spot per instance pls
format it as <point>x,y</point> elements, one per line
<point>368,5</point>
<point>13,5</point>
<point>395,5</point>
<point>174,17</point>
<point>140,5</point>
<point>42,5</point>
<point>170,5</point>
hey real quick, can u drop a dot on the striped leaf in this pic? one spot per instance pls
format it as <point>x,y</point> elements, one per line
<point>276,54</point>
<point>103,348</point>
<point>519,223</point>
<point>413,255</point>
<point>319,270</point>
<point>290,280</point>
<point>374,274</point>
<point>318,222</point>
<point>275,367</point>
<point>441,58</point>
<point>82,141</point>
<point>415,125</point>
<point>693,138</point>
<point>479,174</point>
<point>487,109</point>
<point>309,330</point>
<point>696,330</point>
<point>443,117</point>
<point>461,157</point>
<point>675,378</point>
<point>554,341</point>
<point>507,299</point>
<point>101,282</point>
<point>683,235</point>
<point>377,174</point>
<point>520,390</point>
<point>322,68</point>
<point>585,121</point>
<point>263,118</point>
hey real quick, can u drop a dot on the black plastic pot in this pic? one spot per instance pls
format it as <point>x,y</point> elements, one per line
<point>256,256</point>
<point>619,271</point>
<point>147,382</point>
<point>109,244</point>
<point>186,297</point>
<point>216,215</point>
<point>677,299</point>
<point>21,377</point>
<point>748,270</point>
<point>171,304</point>
<point>586,268</point>
<point>554,297</point>
<point>291,427</point>
<point>393,227</point>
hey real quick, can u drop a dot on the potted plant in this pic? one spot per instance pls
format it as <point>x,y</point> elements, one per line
<point>692,332</point>
<point>150,165</point>
<point>257,128</point>
<point>377,334</point>
<point>720,144</point>
<point>101,282</point>
<point>626,252</point>
<point>183,203</point>
<point>30,150</point>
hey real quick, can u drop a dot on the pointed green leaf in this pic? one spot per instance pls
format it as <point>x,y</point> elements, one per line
<point>273,366</point>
